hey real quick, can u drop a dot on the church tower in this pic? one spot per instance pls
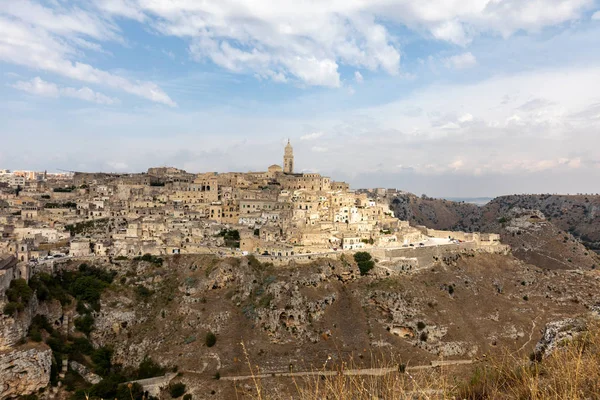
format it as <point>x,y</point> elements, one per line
<point>288,159</point>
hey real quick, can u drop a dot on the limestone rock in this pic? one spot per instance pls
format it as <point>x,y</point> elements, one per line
<point>24,370</point>
<point>85,373</point>
<point>558,332</point>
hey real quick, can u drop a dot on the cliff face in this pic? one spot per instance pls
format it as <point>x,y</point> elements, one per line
<point>13,329</point>
<point>24,370</point>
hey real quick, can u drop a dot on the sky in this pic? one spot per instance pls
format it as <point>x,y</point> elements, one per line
<point>457,98</point>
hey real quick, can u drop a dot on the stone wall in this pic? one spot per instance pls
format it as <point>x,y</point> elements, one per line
<point>154,385</point>
<point>415,258</point>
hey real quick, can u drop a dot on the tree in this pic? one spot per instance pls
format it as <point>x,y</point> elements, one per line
<point>364,261</point>
<point>176,390</point>
<point>211,339</point>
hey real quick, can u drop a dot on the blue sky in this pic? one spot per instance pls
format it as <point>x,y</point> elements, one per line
<point>447,97</point>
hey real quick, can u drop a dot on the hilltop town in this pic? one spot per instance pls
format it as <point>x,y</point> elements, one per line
<point>276,214</point>
<point>130,270</point>
<point>239,235</point>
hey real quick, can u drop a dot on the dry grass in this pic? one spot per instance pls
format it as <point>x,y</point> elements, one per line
<point>571,372</point>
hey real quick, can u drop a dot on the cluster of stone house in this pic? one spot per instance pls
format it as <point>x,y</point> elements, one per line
<point>169,211</point>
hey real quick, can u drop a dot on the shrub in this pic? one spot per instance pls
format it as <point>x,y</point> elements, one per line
<point>176,390</point>
<point>187,397</point>
<point>149,369</point>
<point>88,288</point>
<point>210,339</point>
<point>423,336</point>
<point>35,335</point>
<point>421,325</point>
<point>82,345</point>
<point>364,261</point>
<point>143,292</point>
<point>149,258</point>
<point>19,292</point>
<point>11,308</point>
<point>38,324</point>
<point>102,361</point>
<point>85,324</point>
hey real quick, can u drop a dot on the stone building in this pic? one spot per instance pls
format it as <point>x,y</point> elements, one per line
<point>288,159</point>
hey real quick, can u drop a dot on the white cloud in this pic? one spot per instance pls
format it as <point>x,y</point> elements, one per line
<point>319,149</point>
<point>456,165</point>
<point>358,77</point>
<point>51,40</point>
<point>461,61</point>
<point>493,137</point>
<point>39,87</point>
<point>465,118</point>
<point>284,41</point>
<point>596,16</point>
<point>118,165</point>
<point>311,136</point>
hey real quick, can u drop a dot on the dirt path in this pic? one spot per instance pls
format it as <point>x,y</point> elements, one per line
<point>359,371</point>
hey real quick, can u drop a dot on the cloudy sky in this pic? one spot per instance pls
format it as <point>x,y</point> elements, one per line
<point>443,97</point>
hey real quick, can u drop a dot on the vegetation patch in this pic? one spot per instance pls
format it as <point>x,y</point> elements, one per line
<point>364,261</point>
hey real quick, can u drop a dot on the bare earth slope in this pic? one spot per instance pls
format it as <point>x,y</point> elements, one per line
<point>303,317</point>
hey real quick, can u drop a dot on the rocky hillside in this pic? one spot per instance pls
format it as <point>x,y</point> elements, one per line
<point>552,231</point>
<point>193,313</point>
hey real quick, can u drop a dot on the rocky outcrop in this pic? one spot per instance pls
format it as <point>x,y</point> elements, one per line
<point>13,329</point>
<point>557,333</point>
<point>24,371</point>
<point>85,373</point>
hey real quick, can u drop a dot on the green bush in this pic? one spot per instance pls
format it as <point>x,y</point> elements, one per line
<point>85,324</point>
<point>231,236</point>
<point>39,323</point>
<point>82,345</point>
<point>35,335</point>
<point>211,339</point>
<point>187,397</point>
<point>19,292</point>
<point>143,293</point>
<point>48,287</point>
<point>11,308</point>
<point>102,361</point>
<point>88,288</point>
<point>176,389</point>
<point>149,258</point>
<point>364,261</point>
<point>149,369</point>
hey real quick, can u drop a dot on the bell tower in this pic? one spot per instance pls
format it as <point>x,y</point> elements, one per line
<point>288,159</point>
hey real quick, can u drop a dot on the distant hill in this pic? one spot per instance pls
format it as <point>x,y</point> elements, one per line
<point>565,220</point>
<point>480,201</point>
